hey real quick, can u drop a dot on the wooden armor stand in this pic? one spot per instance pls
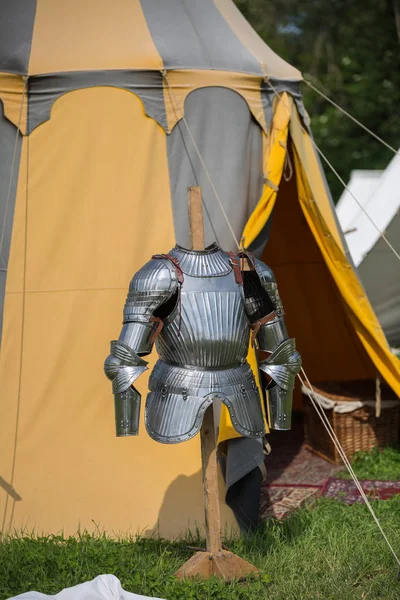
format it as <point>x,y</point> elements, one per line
<point>214,561</point>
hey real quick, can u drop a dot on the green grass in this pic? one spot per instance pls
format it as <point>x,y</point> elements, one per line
<point>327,551</point>
<point>378,464</point>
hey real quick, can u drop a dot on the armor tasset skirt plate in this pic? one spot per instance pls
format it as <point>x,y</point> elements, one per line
<point>201,310</point>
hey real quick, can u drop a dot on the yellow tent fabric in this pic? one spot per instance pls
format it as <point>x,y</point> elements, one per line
<point>315,206</point>
<point>351,302</point>
<point>274,160</point>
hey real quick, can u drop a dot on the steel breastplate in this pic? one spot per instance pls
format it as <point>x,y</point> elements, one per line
<point>208,327</point>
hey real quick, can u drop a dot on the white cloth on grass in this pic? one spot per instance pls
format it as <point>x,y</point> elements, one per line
<point>103,587</point>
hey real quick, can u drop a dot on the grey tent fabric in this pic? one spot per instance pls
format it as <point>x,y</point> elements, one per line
<point>269,90</point>
<point>232,146</point>
<point>16,28</point>
<point>8,189</point>
<point>193,35</point>
<point>240,467</point>
<point>45,89</point>
<point>244,455</point>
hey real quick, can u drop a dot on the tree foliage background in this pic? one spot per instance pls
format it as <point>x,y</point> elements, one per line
<point>351,51</point>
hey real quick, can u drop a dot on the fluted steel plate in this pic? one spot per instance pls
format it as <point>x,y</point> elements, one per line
<point>179,397</point>
<point>213,331</point>
<point>125,354</point>
<point>127,412</point>
<point>152,285</point>
<point>268,281</point>
<point>280,402</point>
<point>212,262</point>
<point>271,334</point>
<point>125,377</point>
<point>123,366</point>
<point>283,364</point>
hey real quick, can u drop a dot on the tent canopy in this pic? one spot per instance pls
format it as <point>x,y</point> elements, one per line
<point>96,161</point>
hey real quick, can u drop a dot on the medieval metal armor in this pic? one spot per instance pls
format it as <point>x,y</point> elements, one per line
<point>284,362</point>
<point>199,307</point>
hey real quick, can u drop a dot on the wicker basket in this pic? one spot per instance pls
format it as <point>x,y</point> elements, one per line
<point>357,430</point>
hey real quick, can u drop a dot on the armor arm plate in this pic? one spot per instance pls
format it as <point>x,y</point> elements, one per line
<point>284,362</point>
<point>270,330</point>
<point>150,289</point>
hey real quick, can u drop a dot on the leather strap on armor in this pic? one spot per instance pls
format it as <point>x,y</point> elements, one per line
<point>234,260</point>
<point>175,262</point>
<point>258,324</point>
<point>158,330</point>
<point>245,254</point>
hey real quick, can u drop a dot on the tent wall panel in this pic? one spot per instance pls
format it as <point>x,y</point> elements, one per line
<point>176,33</point>
<point>71,37</point>
<point>10,154</point>
<point>232,145</point>
<point>17,20</point>
<point>271,64</point>
<point>86,236</point>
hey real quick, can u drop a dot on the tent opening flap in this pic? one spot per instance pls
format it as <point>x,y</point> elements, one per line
<point>315,312</point>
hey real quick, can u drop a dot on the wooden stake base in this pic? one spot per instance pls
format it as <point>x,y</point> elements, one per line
<point>226,565</point>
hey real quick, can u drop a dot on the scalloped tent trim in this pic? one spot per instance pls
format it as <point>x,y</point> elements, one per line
<point>162,94</point>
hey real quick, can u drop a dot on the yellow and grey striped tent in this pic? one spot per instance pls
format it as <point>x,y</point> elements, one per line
<point>110,110</point>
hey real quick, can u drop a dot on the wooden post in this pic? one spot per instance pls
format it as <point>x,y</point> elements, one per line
<point>210,482</point>
<point>196,223</point>
<point>214,561</point>
<point>207,432</point>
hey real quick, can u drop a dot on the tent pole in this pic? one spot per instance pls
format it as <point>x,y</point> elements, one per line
<point>214,561</point>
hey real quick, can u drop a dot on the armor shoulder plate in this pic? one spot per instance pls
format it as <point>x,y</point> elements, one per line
<point>264,272</point>
<point>257,284</point>
<point>153,285</point>
<point>268,281</point>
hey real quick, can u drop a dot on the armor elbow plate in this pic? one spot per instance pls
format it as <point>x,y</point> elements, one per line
<point>282,366</point>
<point>123,366</point>
<point>284,362</point>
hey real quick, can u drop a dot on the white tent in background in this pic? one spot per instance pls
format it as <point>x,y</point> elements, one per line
<point>378,192</point>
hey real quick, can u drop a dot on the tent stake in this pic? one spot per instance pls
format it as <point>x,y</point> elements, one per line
<point>214,561</point>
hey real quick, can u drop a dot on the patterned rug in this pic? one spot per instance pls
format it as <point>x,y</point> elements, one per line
<point>279,501</point>
<point>294,475</point>
<point>346,490</point>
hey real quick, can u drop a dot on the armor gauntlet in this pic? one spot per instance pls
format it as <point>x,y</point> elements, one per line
<point>284,362</point>
<point>150,288</point>
<point>123,366</point>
